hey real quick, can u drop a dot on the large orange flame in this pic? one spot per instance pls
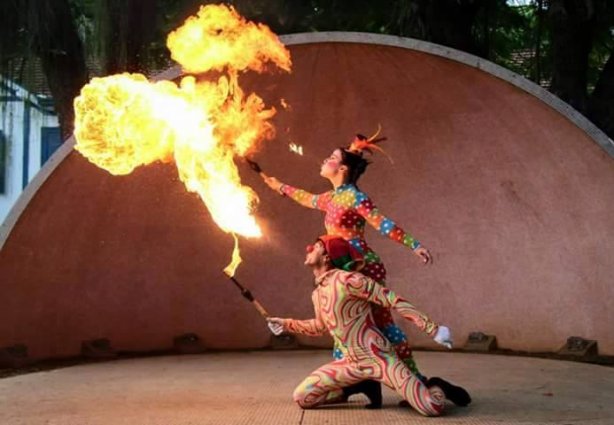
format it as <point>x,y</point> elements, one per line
<point>218,38</point>
<point>124,121</point>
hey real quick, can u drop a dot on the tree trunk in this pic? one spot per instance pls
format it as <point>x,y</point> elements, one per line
<point>57,43</point>
<point>571,29</point>
<point>601,102</point>
<point>127,28</point>
<point>138,33</point>
<point>110,22</point>
<point>450,23</point>
<point>446,22</point>
<point>539,14</point>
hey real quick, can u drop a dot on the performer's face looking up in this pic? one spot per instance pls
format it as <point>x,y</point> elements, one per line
<point>332,165</point>
<point>316,255</point>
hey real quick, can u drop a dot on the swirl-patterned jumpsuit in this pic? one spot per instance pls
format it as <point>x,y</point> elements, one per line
<point>342,302</point>
<point>346,211</point>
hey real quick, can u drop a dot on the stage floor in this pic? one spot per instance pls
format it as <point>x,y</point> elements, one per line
<point>256,388</point>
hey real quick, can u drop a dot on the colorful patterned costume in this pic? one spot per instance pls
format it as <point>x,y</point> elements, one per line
<point>347,209</point>
<point>342,302</point>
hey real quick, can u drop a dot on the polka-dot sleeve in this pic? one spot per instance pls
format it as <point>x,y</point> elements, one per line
<point>365,207</point>
<point>305,198</point>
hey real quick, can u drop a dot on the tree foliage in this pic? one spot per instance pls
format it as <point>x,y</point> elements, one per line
<point>563,45</point>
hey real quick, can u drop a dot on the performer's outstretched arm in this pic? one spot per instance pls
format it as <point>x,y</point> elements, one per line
<point>365,207</point>
<point>300,196</point>
<point>305,198</point>
<point>310,327</point>
<point>368,289</point>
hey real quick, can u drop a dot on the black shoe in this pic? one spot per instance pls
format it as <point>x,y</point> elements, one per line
<point>372,389</point>
<point>455,394</point>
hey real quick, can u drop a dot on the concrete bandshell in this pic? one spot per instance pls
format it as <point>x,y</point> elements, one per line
<point>509,187</point>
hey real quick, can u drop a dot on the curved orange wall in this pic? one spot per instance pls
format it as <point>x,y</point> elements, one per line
<point>514,201</point>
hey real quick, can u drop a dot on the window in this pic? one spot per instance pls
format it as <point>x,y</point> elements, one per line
<point>3,162</point>
<point>50,141</point>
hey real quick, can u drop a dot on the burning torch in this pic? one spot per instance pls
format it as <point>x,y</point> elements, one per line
<point>230,272</point>
<point>255,166</point>
<point>275,328</point>
<point>247,294</point>
<point>249,297</point>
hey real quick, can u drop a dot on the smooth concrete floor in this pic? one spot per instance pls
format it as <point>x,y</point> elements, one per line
<point>256,388</point>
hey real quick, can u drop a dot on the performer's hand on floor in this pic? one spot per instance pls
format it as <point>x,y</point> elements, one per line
<point>424,254</point>
<point>443,336</point>
<point>276,325</point>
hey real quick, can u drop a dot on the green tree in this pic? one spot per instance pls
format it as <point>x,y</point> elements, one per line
<point>565,45</point>
<point>45,29</point>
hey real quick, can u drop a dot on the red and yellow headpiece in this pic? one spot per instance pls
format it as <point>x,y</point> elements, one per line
<point>362,144</point>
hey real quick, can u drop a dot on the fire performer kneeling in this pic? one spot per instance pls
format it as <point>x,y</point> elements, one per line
<point>342,300</point>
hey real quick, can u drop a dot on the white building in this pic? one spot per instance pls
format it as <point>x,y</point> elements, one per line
<point>29,134</point>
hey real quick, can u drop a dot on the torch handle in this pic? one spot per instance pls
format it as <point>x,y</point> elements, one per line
<point>248,296</point>
<point>255,166</point>
<point>261,309</point>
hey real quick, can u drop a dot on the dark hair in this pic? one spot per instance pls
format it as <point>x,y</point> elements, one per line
<point>356,164</point>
